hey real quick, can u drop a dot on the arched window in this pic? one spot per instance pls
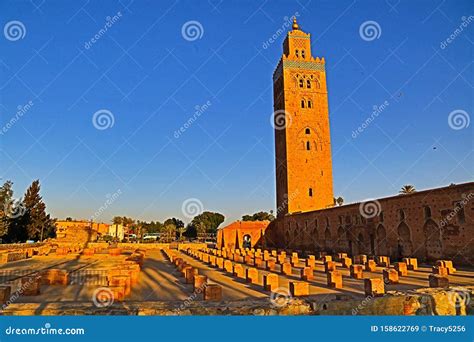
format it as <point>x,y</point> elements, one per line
<point>302,53</point>
<point>308,84</point>
<point>310,104</point>
<point>310,192</point>
<point>307,131</point>
<point>302,104</point>
<point>308,145</point>
<point>301,83</point>
<point>297,54</point>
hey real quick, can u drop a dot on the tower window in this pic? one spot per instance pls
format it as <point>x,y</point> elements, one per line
<point>308,145</point>
<point>301,83</point>
<point>297,54</point>
<point>302,54</point>
<point>302,104</point>
<point>307,131</point>
<point>308,84</point>
<point>310,104</point>
<point>310,192</point>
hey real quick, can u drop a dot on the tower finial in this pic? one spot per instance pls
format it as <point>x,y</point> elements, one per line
<point>295,24</point>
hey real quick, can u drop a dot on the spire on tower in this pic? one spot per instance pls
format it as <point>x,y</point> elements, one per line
<point>295,24</point>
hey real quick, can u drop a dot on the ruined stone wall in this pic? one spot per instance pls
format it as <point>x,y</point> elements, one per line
<point>432,224</point>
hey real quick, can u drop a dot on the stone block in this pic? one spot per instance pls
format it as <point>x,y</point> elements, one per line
<point>448,264</point>
<point>249,260</point>
<point>436,280</point>
<point>374,287</point>
<point>228,266</point>
<point>251,275</point>
<point>123,281</point>
<point>31,285</point>
<point>200,281</point>
<point>189,273</point>
<point>258,262</point>
<point>286,268</point>
<point>357,271</point>
<point>88,251</point>
<point>440,270</point>
<point>334,279</point>
<point>274,253</point>
<point>213,292</point>
<point>307,273</point>
<point>310,263</point>
<point>270,281</point>
<point>326,258</point>
<point>370,266</point>
<point>401,268</point>
<point>360,259</point>
<point>5,293</point>
<point>118,294</point>
<point>220,262</point>
<point>115,251</point>
<point>54,277</point>
<point>412,263</point>
<point>299,288</point>
<point>341,256</point>
<point>238,271</point>
<point>281,259</point>
<point>329,266</point>
<point>383,261</point>
<point>270,265</point>
<point>390,276</point>
<point>295,261</point>
<point>346,262</point>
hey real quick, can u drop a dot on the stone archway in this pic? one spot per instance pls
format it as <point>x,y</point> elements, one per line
<point>405,244</point>
<point>327,239</point>
<point>433,245</point>
<point>342,242</point>
<point>360,244</point>
<point>382,248</point>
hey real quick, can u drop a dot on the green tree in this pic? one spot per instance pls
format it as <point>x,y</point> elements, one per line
<point>39,224</point>
<point>206,222</point>
<point>260,216</point>
<point>117,220</point>
<point>407,189</point>
<point>340,201</point>
<point>6,201</point>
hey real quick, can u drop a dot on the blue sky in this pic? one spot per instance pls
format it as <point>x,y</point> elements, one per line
<point>151,78</point>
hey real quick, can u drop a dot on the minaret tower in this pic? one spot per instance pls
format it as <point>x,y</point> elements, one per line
<point>302,137</point>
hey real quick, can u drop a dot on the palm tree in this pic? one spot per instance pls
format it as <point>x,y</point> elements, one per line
<point>340,201</point>
<point>407,189</point>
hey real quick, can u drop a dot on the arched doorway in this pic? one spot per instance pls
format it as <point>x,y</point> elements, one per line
<point>342,239</point>
<point>247,241</point>
<point>405,245</point>
<point>433,244</point>
<point>327,240</point>
<point>382,240</point>
<point>360,245</point>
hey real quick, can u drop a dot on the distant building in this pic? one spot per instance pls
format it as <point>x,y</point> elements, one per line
<point>117,231</point>
<point>242,234</point>
<point>80,231</point>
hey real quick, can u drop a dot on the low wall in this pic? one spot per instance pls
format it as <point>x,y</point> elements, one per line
<point>455,301</point>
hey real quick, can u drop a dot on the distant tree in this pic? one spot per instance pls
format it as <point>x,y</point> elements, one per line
<point>407,189</point>
<point>206,222</point>
<point>6,200</point>
<point>69,219</point>
<point>39,223</point>
<point>176,222</point>
<point>117,220</point>
<point>260,216</point>
<point>340,201</point>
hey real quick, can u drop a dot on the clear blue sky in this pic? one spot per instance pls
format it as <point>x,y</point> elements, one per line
<point>151,79</point>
